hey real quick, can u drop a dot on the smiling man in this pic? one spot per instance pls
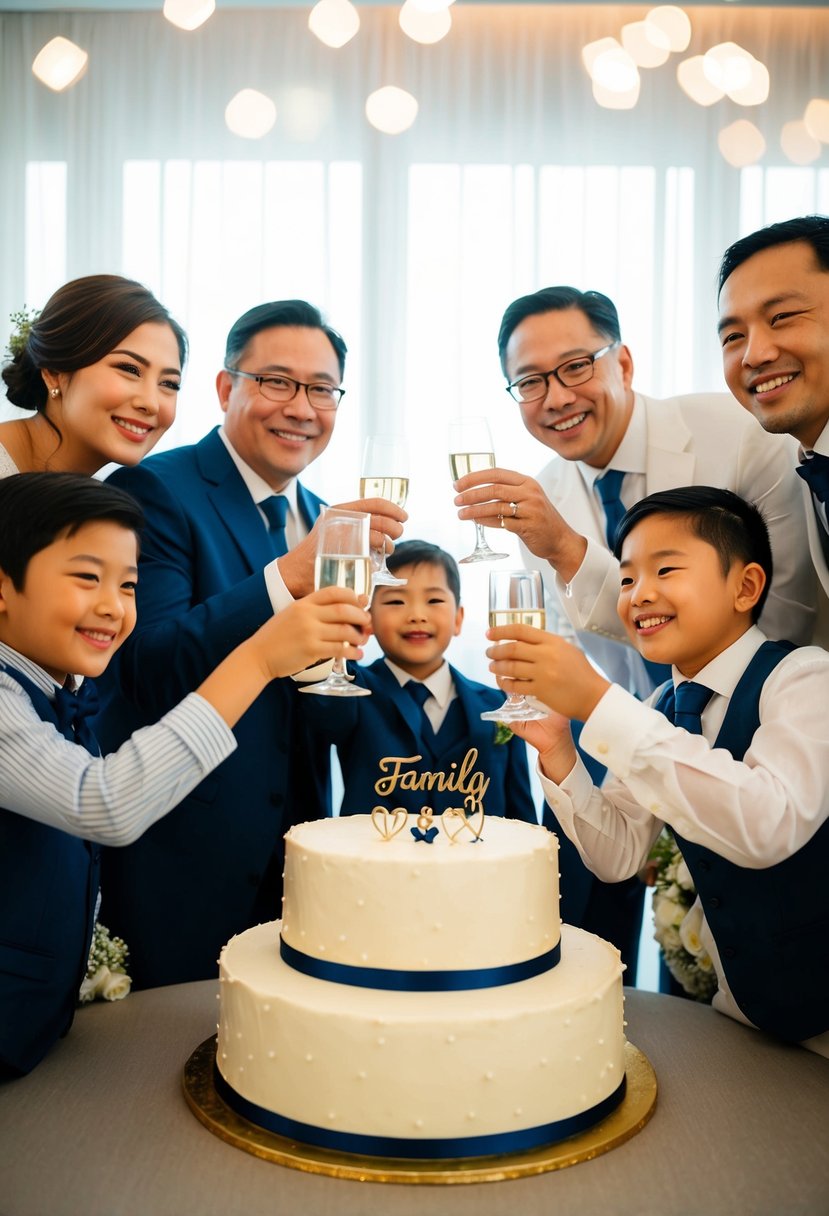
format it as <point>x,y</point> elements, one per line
<point>774,330</point>
<point>571,377</point>
<point>230,540</point>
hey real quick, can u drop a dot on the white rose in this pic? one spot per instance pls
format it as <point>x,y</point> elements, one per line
<point>115,986</point>
<point>689,930</point>
<point>667,913</point>
<point>91,986</point>
<point>683,876</point>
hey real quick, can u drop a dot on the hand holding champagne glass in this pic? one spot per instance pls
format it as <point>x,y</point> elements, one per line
<point>385,475</point>
<point>471,450</point>
<point>342,561</point>
<point>516,597</point>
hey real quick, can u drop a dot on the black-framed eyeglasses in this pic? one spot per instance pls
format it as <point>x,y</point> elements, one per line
<point>322,396</point>
<point>569,374</point>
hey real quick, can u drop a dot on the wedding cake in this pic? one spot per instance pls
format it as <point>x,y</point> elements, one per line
<point>420,997</point>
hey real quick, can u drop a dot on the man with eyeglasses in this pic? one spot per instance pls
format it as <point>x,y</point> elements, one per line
<point>571,377</point>
<point>230,539</point>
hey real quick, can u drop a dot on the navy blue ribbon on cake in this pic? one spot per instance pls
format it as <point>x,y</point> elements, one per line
<point>394,1146</point>
<point>419,981</point>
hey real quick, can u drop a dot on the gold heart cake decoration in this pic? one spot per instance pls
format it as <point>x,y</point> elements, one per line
<point>472,820</point>
<point>389,823</point>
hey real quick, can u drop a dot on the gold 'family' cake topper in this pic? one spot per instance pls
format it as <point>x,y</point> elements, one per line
<point>400,773</point>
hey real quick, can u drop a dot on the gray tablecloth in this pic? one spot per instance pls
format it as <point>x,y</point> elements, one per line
<point>101,1128</point>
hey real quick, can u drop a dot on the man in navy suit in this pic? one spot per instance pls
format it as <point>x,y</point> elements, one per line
<point>229,540</point>
<point>422,723</point>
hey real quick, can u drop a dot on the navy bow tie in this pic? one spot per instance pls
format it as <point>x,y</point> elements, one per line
<point>74,710</point>
<point>815,472</point>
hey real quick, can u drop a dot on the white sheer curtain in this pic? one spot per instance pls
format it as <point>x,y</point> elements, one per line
<point>511,178</point>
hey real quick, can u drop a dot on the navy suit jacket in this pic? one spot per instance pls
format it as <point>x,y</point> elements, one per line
<point>213,866</point>
<point>389,723</point>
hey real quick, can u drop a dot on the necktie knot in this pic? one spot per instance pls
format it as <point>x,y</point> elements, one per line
<point>690,700</point>
<point>418,692</point>
<point>815,472</point>
<point>275,510</point>
<point>609,488</point>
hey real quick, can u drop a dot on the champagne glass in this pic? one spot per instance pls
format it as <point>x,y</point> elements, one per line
<point>470,450</point>
<point>342,561</point>
<point>385,475</point>
<point>516,597</point>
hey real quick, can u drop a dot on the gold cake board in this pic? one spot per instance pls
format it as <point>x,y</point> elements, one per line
<point>629,1117</point>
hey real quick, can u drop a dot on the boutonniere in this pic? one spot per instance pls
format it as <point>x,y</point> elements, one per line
<point>503,734</point>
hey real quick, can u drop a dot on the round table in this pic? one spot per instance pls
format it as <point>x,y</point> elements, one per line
<point>101,1128</point>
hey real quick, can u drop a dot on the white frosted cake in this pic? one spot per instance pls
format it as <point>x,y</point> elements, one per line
<point>421,999</point>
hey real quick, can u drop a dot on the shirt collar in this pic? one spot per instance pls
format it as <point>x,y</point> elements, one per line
<point>632,453</point>
<point>723,673</point>
<point>40,678</point>
<point>258,488</point>
<point>439,683</point>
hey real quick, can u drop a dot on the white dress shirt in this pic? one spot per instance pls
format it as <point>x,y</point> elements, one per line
<point>755,812</point>
<point>109,799</point>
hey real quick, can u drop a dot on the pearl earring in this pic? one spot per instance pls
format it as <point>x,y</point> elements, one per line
<point>54,392</point>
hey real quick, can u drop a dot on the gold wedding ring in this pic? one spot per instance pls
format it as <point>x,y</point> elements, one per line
<point>501,520</point>
<point>514,506</point>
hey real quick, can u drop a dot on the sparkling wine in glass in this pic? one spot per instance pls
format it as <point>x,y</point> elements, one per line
<point>385,475</point>
<point>516,597</point>
<point>342,561</point>
<point>470,451</point>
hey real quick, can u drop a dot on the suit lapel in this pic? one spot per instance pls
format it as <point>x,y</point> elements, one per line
<point>403,703</point>
<point>474,702</point>
<point>814,533</point>
<point>669,463</point>
<point>237,516</point>
<point>309,506</point>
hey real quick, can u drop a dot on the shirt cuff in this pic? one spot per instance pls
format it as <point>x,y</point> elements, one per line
<point>618,728</point>
<point>278,593</point>
<point>574,792</point>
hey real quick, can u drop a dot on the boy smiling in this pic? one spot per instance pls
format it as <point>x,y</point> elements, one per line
<point>423,718</point>
<point>68,570</point>
<point>740,777</point>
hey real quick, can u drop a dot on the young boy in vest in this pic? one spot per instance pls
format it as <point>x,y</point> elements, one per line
<point>68,570</point>
<point>423,718</point>
<point>732,754</point>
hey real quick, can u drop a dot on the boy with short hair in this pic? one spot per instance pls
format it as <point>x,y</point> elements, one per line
<point>68,570</point>
<point>743,786</point>
<point>423,717</point>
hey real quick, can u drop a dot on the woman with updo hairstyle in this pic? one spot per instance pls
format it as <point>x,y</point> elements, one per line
<point>100,369</point>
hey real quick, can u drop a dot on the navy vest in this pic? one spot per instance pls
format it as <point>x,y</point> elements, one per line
<point>49,884</point>
<point>771,926</point>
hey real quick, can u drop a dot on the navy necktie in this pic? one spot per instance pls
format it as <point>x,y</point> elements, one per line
<point>690,700</point>
<point>276,512</point>
<point>609,486</point>
<point>420,695</point>
<point>815,472</point>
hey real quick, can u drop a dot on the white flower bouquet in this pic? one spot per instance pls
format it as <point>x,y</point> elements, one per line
<point>677,920</point>
<point>106,972</point>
